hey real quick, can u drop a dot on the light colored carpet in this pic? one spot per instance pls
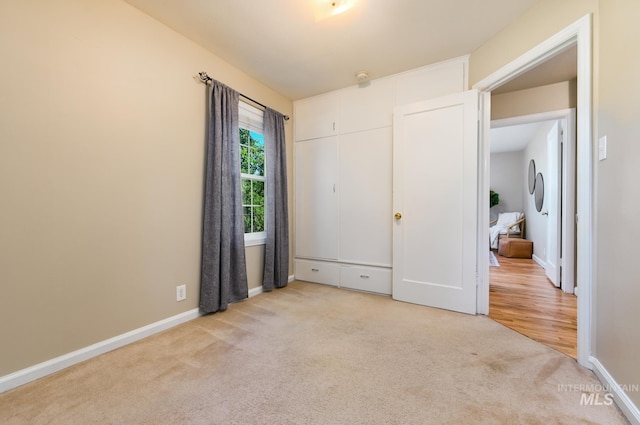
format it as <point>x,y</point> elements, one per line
<point>312,354</point>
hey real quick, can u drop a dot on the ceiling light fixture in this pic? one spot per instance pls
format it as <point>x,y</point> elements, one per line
<point>340,6</point>
<point>327,8</point>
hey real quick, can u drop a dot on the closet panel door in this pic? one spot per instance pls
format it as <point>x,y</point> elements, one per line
<point>366,106</point>
<point>316,198</point>
<point>429,83</point>
<point>316,117</point>
<point>366,197</point>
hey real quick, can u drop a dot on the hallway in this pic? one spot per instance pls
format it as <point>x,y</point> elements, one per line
<point>523,299</point>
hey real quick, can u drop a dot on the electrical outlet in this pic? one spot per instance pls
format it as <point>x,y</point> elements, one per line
<point>181,292</point>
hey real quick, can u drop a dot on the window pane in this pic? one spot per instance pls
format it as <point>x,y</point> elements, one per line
<point>256,153</point>
<point>252,163</point>
<point>257,192</point>
<point>245,136</point>
<point>244,159</point>
<point>247,220</point>
<point>258,219</point>
<point>246,192</point>
<point>256,161</point>
<point>257,139</point>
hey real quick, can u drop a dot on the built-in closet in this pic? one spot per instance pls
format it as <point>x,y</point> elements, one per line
<point>344,177</point>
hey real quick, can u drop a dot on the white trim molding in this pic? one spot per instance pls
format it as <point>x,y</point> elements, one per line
<point>540,261</point>
<point>56,364</point>
<point>574,33</point>
<point>622,400</point>
<point>256,291</point>
<point>260,289</point>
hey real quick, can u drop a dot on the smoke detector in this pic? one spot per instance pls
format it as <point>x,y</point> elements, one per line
<point>362,76</point>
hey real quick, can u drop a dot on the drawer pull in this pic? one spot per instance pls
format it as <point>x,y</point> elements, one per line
<point>315,270</point>
<point>364,276</point>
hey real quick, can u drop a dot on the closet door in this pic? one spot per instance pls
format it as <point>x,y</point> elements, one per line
<point>316,117</point>
<point>435,202</point>
<point>366,108</point>
<point>316,198</point>
<point>365,197</point>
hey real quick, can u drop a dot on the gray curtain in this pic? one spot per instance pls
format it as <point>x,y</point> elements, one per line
<point>276,261</point>
<point>224,273</point>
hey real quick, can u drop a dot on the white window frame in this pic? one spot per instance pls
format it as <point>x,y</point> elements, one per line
<point>251,118</point>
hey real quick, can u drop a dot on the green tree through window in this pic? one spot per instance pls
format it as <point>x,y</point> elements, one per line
<point>253,180</point>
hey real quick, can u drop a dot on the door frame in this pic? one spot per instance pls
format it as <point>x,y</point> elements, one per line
<point>579,34</point>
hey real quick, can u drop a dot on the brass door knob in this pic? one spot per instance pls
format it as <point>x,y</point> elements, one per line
<point>398,216</point>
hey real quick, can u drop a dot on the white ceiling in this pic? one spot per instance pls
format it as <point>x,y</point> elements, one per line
<point>516,137</point>
<point>512,139</point>
<point>280,43</point>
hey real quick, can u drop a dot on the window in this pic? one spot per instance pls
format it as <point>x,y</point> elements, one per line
<point>252,169</point>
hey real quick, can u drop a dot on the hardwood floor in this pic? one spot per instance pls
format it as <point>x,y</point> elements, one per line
<point>523,299</point>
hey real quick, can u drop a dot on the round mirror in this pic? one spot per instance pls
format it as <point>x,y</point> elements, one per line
<point>539,192</point>
<point>532,176</point>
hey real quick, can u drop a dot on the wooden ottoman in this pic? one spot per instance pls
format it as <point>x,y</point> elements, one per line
<point>515,248</point>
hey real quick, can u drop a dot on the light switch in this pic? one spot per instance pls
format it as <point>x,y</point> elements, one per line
<point>602,148</point>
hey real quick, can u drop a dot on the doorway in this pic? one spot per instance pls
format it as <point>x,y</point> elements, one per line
<point>545,143</point>
<point>579,35</point>
<point>535,296</point>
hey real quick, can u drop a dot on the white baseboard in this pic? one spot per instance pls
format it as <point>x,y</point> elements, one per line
<point>255,291</point>
<point>43,369</point>
<point>48,367</point>
<point>259,290</point>
<point>540,261</point>
<point>621,398</point>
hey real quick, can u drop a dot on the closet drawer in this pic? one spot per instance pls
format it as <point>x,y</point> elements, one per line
<point>364,278</point>
<point>317,271</point>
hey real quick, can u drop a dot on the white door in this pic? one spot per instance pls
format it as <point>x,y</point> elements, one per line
<point>568,251</point>
<point>364,159</point>
<point>317,221</point>
<point>316,117</point>
<point>435,202</point>
<point>561,197</point>
<point>551,204</point>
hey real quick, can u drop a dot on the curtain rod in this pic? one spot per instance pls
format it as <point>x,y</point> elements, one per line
<point>205,79</point>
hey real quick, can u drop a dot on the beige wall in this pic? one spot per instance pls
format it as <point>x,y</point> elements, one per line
<point>544,19</point>
<point>102,130</point>
<point>618,203</point>
<point>553,97</point>
<point>617,199</point>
